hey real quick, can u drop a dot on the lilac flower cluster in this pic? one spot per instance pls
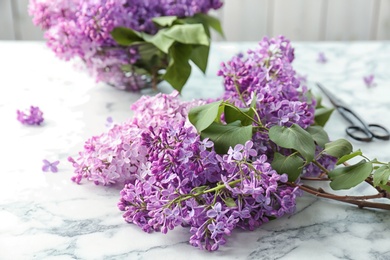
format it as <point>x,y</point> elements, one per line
<point>118,154</point>
<point>188,184</point>
<point>81,29</point>
<point>173,178</point>
<point>33,117</point>
<point>266,74</point>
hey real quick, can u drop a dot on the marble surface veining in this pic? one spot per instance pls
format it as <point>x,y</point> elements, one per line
<point>44,215</point>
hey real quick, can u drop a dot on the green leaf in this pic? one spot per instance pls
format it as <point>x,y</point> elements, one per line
<point>219,116</point>
<point>322,115</point>
<point>230,202</point>
<point>381,175</point>
<point>203,116</point>
<point>164,21</point>
<point>234,113</point>
<point>212,22</point>
<point>147,51</point>
<point>319,135</point>
<point>294,137</point>
<point>160,40</point>
<point>245,115</point>
<point>199,189</point>
<point>188,34</point>
<point>200,56</point>
<point>338,148</point>
<point>125,36</point>
<point>225,136</point>
<point>349,156</point>
<point>179,69</point>
<point>384,187</point>
<point>291,165</point>
<point>350,176</point>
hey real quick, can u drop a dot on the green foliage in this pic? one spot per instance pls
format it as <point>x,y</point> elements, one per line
<point>206,120</point>
<point>319,135</point>
<point>165,21</point>
<point>294,147</point>
<point>350,176</point>
<point>179,68</point>
<point>203,116</point>
<point>338,148</point>
<point>230,202</point>
<point>322,113</point>
<point>227,135</point>
<point>381,175</point>
<point>349,156</point>
<point>245,115</point>
<point>125,36</point>
<point>294,137</point>
<point>166,55</point>
<point>188,34</point>
<point>384,187</point>
<point>199,56</point>
<point>291,165</point>
<point>211,22</point>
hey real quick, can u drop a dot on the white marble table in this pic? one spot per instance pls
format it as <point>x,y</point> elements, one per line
<point>44,215</point>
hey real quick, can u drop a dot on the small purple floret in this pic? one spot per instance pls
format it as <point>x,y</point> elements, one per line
<point>48,166</point>
<point>32,117</point>
<point>321,58</point>
<point>369,81</point>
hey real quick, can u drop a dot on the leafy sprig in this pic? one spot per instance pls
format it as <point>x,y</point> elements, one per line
<point>294,148</point>
<point>166,55</point>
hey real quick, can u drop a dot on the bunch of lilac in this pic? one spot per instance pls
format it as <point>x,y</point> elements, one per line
<point>81,29</point>
<point>34,116</point>
<point>267,74</point>
<point>117,155</point>
<point>187,184</point>
<point>174,178</point>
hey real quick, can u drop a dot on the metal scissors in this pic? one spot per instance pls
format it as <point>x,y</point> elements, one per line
<point>358,130</point>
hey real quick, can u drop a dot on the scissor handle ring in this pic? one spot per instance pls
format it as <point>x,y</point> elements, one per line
<point>382,137</point>
<point>350,130</point>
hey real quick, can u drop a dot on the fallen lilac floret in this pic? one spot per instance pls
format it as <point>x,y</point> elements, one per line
<point>369,81</point>
<point>50,166</point>
<point>34,116</point>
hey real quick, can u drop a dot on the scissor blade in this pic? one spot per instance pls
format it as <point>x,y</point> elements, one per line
<point>332,98</point>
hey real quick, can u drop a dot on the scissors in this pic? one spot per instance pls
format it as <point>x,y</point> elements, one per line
<point>361,131</point>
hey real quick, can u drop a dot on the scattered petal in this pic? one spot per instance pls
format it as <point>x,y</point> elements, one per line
<point>369,81</point>
<point>48,166</point>
<point>321,58</point>
<point>32,117</point>
<point>109,122</point>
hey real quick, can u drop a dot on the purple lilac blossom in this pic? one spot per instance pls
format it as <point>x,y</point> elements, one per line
<point>48,166</point>
<point>118,154</point>
<point>170,175</point>
<point>109,122</point>
<point>282,96</point>
<point>81,29</point>
<point>322,58</point>
<point>33,117</point>
<point>174,178</point>
<point>369,81</point>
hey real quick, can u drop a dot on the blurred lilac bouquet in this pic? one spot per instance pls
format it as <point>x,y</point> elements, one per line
<point>84,29</point>
<point>214,166</point>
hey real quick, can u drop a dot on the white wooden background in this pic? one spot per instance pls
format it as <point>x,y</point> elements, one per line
<point>250,20</point>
